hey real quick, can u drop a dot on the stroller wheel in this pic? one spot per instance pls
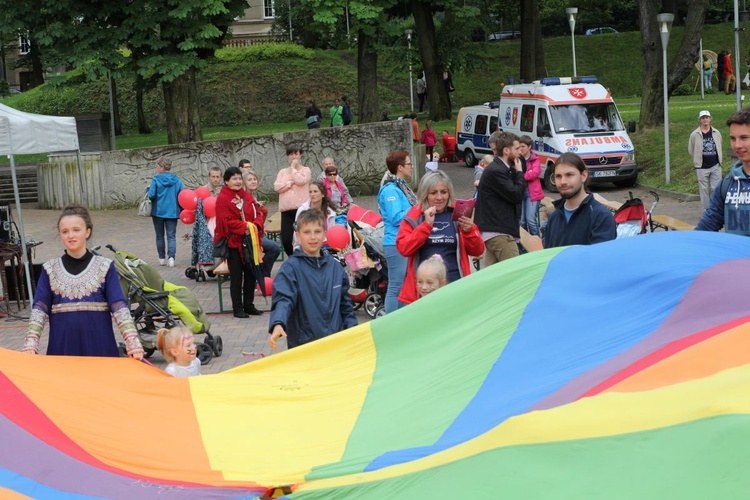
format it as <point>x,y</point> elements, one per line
<point>191,272</point>
<point>205,354</point>
<point>148,352</point>
<point>380,312</point>
<point>218,345</point>
<point>201,276</point>
<point>372,302</point>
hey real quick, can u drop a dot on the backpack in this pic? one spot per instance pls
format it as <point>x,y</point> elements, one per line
<point>348,116</point>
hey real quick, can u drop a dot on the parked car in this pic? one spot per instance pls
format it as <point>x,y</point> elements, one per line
<point>504,35</point>
<point>601,31</point>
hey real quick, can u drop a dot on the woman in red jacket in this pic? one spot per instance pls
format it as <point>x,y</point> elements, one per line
<point>235,209</point>
<point>429,229</point>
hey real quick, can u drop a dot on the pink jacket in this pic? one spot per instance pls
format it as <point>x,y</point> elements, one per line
<point>293,187</point>
<point>533,171</point>
<point>428,137</point>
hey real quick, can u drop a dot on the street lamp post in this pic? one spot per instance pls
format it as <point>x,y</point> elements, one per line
<point>408,33</point>
<point>665,23</point>
<point>571,12</point>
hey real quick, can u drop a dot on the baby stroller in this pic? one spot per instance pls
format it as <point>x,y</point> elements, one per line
<point>155,303</point>
<point>365,263</point>
<point>202,258</point>
<point>632,218</point>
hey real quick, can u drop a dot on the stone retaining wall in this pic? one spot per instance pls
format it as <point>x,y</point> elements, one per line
<point>119,178</point>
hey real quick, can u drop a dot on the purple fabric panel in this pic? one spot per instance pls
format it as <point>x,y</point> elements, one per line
<point>707,303</point>
<point>28,456</point>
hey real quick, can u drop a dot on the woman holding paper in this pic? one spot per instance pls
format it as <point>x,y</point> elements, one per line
<point>430,228</point>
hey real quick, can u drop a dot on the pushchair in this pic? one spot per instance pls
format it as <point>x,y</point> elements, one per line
<point>632,218</point>
<point>365,263</point>
<point>202,258</point>
<point>155,303</point>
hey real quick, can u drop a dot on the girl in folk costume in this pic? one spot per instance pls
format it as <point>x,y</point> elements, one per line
<point>79,294</point>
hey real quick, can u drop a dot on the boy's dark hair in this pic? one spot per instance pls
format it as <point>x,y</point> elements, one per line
<point>231,172</point>
<point>525,139</point>
<point>741,117</point>
<point>413,116</point>
<point>293,148</point>
<point>395,159</point>
<point>344,98</point>
<point>242,162</point>
<point>310,216</point>
<point>502,140</point>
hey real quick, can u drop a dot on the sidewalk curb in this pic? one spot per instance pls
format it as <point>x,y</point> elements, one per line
<point>671,194</point>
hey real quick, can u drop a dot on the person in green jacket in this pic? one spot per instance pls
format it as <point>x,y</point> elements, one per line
<point>337,112</point>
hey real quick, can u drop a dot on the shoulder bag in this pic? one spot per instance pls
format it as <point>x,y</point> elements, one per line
<point>144,206</point>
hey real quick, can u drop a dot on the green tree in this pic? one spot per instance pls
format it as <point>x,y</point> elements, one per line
<point>169,41</point>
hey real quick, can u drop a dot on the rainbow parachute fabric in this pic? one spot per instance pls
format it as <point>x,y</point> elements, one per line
<point>620,370</point>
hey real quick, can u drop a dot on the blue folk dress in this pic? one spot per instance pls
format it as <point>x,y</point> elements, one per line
<point>80,308</point>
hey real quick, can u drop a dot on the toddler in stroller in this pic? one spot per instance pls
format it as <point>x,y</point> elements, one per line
<point>366,264</point>
<point>155,303</point>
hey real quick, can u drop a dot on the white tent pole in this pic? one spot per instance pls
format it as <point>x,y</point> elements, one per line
<point>22,236</point>
<point>84,196</point>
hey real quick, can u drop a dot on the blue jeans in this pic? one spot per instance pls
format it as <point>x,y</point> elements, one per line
<point>271,252</point>
<point>529,214</point>
<point>396,274</point>
<point>160,224</point>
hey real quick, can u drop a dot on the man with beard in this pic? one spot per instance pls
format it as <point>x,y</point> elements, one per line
<point>499,196</point>
<point>578,218</point>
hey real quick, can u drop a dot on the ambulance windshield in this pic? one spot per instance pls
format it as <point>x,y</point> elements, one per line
<point>583,118</point>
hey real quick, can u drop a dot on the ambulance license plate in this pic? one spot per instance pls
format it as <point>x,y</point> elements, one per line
<point>605,173</point>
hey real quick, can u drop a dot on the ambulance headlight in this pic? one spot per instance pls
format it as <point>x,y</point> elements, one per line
<point>630,157</point>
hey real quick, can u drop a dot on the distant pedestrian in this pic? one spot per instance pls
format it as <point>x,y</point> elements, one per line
<point>313,116</point>
<point>720,60</point>
<point>449,147</point>
<point>414,128</point>
<point>448,82</point>
<point>421,90</point>
<point>384,117</point>
<point>428,139</point>
<point>532,169</point>
<point>165,210</point>
<point>705,147</point>
<point>729,80</point>
<point>346,111</point>
<point>479,170</point>
<point>337,114</point>
<point>708,71</point>
<point>214,180</point>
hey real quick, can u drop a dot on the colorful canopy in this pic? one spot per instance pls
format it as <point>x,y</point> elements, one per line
<point>620,370</point>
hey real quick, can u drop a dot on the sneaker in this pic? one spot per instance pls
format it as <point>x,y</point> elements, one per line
<point>171,262</point>
<point>162,262</point>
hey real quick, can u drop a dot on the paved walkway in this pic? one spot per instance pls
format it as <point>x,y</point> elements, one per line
<point>126,231</point>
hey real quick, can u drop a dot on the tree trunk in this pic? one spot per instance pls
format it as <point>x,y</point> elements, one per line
<point>116,108</point>
<point>652,99</point>
<point>528,41</point>
<point>437,95</point>
<point>37,70</point>
<point>143,127</point>
<point>181,107</point>
<point>541,66</point>
<point>367,79</point>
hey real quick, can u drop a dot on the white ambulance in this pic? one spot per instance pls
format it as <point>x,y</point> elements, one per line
<point>574,115</point>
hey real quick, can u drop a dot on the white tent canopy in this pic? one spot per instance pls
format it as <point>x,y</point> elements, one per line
<point>29,133</point>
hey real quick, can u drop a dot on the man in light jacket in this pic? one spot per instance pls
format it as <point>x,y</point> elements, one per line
<point>705,147</point>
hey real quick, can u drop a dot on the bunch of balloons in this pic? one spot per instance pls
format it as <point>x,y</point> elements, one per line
<point>188,200</point>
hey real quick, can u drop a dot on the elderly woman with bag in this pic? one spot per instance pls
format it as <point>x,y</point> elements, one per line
<point>237,215</point>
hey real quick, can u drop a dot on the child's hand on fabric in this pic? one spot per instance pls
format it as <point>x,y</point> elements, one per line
<point>278,332</point>
<point>137,355</point>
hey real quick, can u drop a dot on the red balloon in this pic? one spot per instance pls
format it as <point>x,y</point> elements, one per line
<point>188,200</point>
<point>338,237</point>
<point>202,192</point>
<point>187,216</point>
<point>209,207</point>
<point>269,286</point>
